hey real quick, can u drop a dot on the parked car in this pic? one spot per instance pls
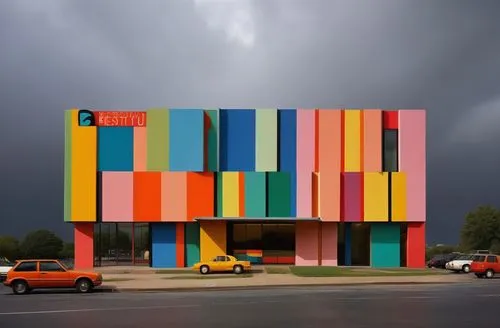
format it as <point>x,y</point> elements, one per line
<point>440,260</point>
<point>223,263</point>
<point>5,266</point>
<point>460,264</point>
<point>33,274</point>
<point>485,265</point>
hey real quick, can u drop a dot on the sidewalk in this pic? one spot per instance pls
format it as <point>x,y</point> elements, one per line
<point>146,281</point>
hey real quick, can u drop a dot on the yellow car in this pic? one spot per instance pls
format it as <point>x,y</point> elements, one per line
<point>224,263</point>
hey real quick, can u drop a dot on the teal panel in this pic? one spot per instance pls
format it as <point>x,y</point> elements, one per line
<point>385,245</point>
<point>278,197</point>
<point>192,242</point>
<point>212,115</point>
<point>219,194</point>
<point>255,194</point>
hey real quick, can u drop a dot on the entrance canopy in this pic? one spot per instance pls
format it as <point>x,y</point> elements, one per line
<point>266,219</point>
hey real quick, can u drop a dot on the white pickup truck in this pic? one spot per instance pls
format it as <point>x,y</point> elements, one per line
<point>5,266</point>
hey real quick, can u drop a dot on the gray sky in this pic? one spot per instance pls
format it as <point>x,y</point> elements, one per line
<point>440,55</point>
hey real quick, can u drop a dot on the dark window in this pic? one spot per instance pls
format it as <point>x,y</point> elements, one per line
<point>26,267</point>
<point>51,267</point>
<point>220,259</point>
<point>478,258</point>
<point>228,259</point>
<point>390,151</point>
<point>491,259</point>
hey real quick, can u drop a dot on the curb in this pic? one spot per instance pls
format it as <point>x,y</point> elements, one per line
<point>257,287</point>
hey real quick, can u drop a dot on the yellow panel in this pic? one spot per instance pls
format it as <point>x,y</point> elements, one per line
<point>230,194</point>
<point>398,196</point>
<point>376,196</point>
<point>352,140</point>
<point>212,239</point>
<point>83,171</point>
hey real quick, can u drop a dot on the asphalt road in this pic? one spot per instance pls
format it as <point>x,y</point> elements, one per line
<point>474,304</point>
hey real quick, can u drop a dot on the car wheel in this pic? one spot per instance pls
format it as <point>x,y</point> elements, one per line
<point>20,287</point>
<point>84,286</point>
<point>204,269</point>
<point>466,268</point>
<point>489,274</point>
<point>238,269</point>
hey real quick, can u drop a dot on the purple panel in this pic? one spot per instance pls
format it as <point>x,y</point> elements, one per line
<point>353,182</point>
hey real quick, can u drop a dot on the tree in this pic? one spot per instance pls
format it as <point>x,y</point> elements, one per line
<point>68,251</point>
<point>9,248</point>
<point>41,244</point>
<point>481,229</point>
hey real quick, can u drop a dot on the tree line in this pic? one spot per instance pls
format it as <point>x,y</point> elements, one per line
<point>39,244</point>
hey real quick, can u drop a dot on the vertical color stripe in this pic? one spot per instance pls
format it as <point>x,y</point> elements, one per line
<point>329,195</point>
<point>173,196</point>
<point>352,140</point>
<point>266,140</point>
<point>212,239</point>
<point>237,140</point>
<point>164,248</point>
<point>352,197</point>
<point>347,244</point>
<point>306,243</point>
<point>69,115</point>
<point>84,245</point>
<point>329,233</point>
<point>140,149</point>
<point>179,245</point>
<point>147,196</point>
<point>278,198</point>
<point>315,195</point>
<point>192,242</point>
<point>376,196</point>
<point>329,134</point>
<point>158,140</point>
<point>83,171</point>
<point>255,194</point>
<point>117,196</point>
<point>287,119</point>
<point>398,196</point>
<point>372,140</point>
<point>385,245</point>
<point>412,161</point>
<point>219,194</point>
<point>213,140</point>
<point>230,194</point>
<point>200,195</point>
<point>391,119</point>
<point>115,148</point>
<point>415,245</point>
<point>186,139</point>
<point>306,127</point>
<point>241,194</point>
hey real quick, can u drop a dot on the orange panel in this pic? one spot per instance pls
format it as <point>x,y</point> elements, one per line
<point>147,196</point>
<point>329,196</point>
<point>179,245</point>
<point>173,196</point>
<point>84,245</point>
<point>241,193</point>
<point>140,149</point>
<point>315,194</point>
<point>330,140</point>
<point>200,195</point>
<point>372,140</point>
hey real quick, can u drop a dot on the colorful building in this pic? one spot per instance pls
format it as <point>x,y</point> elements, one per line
<point>168,187</point>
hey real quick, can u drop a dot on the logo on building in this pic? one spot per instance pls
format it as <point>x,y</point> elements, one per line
<point>86,118</point>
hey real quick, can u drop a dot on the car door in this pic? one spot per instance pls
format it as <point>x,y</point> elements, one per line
<point>28,270</point>
<point>52,274</point>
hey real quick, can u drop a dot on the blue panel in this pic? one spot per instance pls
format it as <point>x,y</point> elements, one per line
<point>287,123</point>
<point>385,245</point>
<point>237,140</point>
<point>186,140</point>
<point>347,244</point>
<point>163,245</point>
<point>115,148</point>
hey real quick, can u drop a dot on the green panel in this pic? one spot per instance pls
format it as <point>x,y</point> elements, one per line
<point>255,194</point>
<point>158,139</point>
<point>266,140</point>
<point>192,242</point>
<point>278,197</point>
<point>219,194</point>
<point>385,245</point>
<point>212,142</point>
<point>67,165</point>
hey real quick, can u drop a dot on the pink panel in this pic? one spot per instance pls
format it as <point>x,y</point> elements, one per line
<point>329,243</point>
<point>306,243</point>
<point>352,197</point>
<point>174,196</point>
<point>305,160</point>
<point>84,245</point>
<point>412,161</point>
<point>117,196</point>
<point>140,149</point>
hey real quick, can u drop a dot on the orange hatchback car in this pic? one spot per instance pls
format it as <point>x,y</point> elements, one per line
<point>32,274</point>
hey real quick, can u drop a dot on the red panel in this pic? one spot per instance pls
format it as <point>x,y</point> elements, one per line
<point>415,245</point>
<point>241,193</point>
<point>391,119</point>
<point>147,196</point>
<point>269,260</point>
<point>84,245</point>
<point>286,260</point>
<point>179,244</point>
<point>200,195</point>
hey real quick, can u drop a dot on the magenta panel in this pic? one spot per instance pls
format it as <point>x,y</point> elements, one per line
<point>305,160</point>
<point>412,161</point>
<point>329,232</point>
<point>352,197</point>
<point>306,243</point>
<point>117,196</point>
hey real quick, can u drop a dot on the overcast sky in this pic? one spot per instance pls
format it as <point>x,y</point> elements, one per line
<point>440,55</point>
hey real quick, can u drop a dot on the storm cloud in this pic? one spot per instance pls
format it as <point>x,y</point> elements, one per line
<point>439,55</point>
